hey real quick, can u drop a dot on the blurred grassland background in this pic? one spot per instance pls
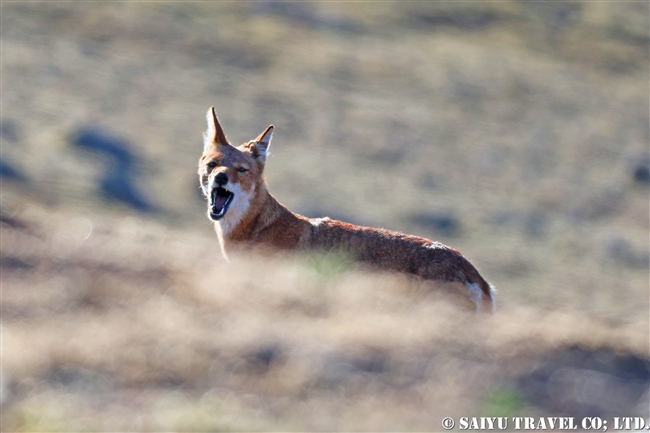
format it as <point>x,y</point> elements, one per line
<point>516,132</point>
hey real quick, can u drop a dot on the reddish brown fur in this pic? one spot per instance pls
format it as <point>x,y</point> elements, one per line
<point>267,223</point>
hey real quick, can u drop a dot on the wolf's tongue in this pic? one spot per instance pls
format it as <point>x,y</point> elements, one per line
<point>218,201</point>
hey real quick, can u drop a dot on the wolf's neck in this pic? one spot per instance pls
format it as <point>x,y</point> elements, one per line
<point>262,224</point>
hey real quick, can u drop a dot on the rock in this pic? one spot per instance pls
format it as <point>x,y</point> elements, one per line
<point>642,173</point>
<point>102,142</point>
<point>8,171</point>
<point>119,184</point>
<point>443,223</point>
<point>579,383</point>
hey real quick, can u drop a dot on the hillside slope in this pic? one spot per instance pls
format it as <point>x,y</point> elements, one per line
<point>516,132</point>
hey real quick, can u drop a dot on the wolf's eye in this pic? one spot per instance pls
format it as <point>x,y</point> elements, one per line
<point>242,170</point>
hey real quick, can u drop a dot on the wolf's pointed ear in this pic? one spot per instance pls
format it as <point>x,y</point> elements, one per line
<point>261,145</point>
<point>214,134</point>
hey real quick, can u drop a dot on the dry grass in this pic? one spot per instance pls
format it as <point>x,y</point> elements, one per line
<point>127,325</point>
<point>518,125</point>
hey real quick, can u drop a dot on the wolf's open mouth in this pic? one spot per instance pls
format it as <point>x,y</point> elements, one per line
<point>220,199</point>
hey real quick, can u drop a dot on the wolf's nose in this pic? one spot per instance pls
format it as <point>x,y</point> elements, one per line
<point>221,179</point>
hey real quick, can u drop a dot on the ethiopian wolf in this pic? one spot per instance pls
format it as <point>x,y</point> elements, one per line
<point>245,213</point>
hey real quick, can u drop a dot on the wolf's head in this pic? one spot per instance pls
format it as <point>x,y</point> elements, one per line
<point>230,176</point>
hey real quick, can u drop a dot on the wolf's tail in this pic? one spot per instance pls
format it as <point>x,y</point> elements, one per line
<point>480,290</point>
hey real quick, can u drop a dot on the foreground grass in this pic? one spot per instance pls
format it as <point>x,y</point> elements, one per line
<point>133,326</point>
